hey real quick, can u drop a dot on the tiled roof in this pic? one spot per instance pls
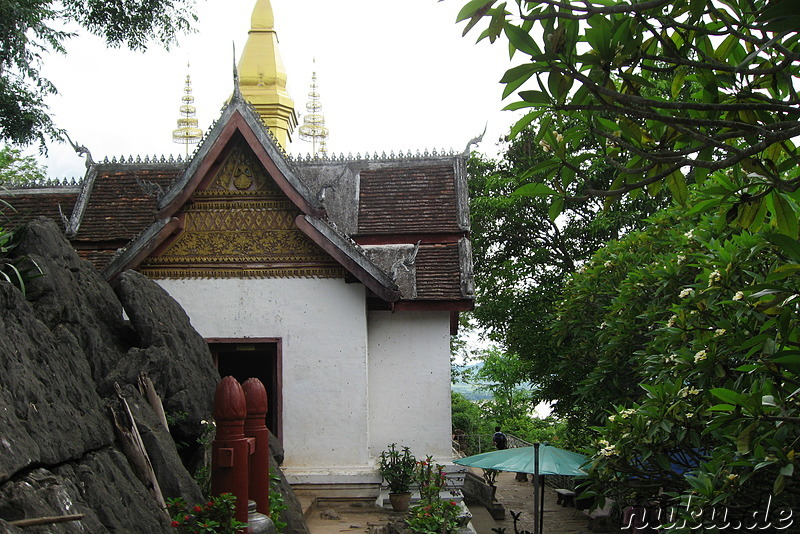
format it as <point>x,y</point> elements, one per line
<point>401,199</point>
<point>118,206</point>
<point>438,273</point>
<point>28,204</point>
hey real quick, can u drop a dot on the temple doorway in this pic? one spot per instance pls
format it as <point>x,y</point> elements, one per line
<point>243,359</point>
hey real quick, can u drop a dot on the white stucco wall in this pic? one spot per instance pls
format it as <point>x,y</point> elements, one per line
<point>409,382</point>
<point>322,324</point>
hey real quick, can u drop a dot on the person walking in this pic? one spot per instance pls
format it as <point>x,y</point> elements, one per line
<point>499,439</point>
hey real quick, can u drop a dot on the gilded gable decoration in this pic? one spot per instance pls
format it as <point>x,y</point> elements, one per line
<point>241,224</point>
<point>241,173</point>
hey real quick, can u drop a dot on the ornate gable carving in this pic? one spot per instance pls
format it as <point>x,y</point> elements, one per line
<point>241,225</point>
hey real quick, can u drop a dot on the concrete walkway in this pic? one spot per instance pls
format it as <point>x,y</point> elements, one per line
<point>363,518</point>
<point>518,497</point>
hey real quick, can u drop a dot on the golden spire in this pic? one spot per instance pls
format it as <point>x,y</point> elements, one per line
<point>313,128</point>
<point>187,133</point>
<point>262,76</point>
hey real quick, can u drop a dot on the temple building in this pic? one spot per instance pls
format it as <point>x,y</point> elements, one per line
<point>338,282</point>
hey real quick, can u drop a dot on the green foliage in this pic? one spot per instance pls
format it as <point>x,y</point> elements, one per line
<point>522,257</point>
<point>432,515</point>
<point>467,416</point>
<point>504,376</point>
<point>436,517</point>
<point>215,516</point>
<point>30,30</point>
<point>665,92</point>
<point>398,468</point>
<point>20,270</point>
<point>687,334</point>
<point>16,169</point>
<point>276,505</point>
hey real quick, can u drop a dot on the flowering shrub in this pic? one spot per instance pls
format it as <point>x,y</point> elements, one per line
<point>433,515</point>
<point>431,479</point>
<point>436,517</point>
<point>216,515</point>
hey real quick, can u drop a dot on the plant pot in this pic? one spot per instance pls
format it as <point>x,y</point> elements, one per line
<point>400,501</point>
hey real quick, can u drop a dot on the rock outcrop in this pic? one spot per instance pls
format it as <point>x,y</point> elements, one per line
<point>63,347</point>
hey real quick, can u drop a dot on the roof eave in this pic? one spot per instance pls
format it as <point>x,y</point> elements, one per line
<point>349,257</point>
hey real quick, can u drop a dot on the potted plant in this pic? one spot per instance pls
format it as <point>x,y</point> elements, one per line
<point>397,469</point>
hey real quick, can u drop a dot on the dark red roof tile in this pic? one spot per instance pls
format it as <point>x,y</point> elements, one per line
<point>119,207</point>
<point>27,204</point>
<point>398,200</point>
<point>438,273</point>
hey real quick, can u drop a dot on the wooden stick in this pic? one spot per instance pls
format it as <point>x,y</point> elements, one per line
<point>32,522</point>
<point>148,390</point>
<point>134,449</point>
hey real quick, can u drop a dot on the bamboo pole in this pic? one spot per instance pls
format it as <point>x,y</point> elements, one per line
<point>48,520</point>
<point>148,391</point>
<point>134,449</point>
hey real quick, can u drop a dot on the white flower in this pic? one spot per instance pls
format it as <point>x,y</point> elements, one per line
<point>700,356</point>
<point>690,234</point>
<point>738,296</point>
<point>627,412</point>
<point>612,418</point>
<point>681,258</point>
<point>689,415</point>
<point>609,450</point>
<point>671,321</point>
<point>715,276</point>
<point>559,137</point>
<point>719,332</point>
<point>545,145</point>
<point>685,292</point>
<point>607,263</point>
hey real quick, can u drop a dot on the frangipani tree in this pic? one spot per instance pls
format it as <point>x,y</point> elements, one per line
<point>693,326</point>
<point>670,90</point>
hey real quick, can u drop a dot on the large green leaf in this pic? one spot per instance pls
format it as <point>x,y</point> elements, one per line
<point>535,190</point>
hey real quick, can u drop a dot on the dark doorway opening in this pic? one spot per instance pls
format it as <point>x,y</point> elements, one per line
<point>243,359</point>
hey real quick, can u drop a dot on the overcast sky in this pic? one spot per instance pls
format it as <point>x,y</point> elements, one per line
<point>392,76</point>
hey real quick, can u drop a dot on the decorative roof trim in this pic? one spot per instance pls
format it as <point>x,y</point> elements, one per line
<point>467,276</point>
<point>462,193</point>
<point>349,256</point>
<point>310,159</point>
<point>78,211</point>
<point>238,116</point>
<point>142,246</point>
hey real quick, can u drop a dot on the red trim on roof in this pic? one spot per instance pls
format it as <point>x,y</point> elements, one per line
<point>216,155</point>
<point>409,239</point>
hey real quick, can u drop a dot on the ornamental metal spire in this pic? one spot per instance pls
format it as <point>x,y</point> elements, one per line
<point>187,132</point>
<point>313,128</point>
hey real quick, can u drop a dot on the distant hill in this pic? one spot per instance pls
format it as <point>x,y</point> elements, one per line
<point>471,391</point>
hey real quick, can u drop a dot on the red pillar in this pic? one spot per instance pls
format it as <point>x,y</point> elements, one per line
<point>255,426</point>
<point>230,449</point>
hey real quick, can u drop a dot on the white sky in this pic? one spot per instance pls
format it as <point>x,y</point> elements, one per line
<point>392,76</point>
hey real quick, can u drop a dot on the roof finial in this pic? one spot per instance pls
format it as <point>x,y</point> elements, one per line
<point>313,128</point>
<point>187,132</point>
<point>237,91</point>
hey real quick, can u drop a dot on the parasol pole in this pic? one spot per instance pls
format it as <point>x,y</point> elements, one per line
<point>536,488</point>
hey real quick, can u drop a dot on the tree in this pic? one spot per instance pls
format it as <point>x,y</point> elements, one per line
<point>16,169</point>
<point>670,91</point>
<point>523,256</point>
<point>30,29</point>
<point>688,335</point>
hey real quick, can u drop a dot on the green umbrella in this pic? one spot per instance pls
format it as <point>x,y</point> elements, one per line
<point>539,459</point>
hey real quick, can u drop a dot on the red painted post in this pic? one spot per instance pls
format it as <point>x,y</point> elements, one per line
<point>255,426</point>
<point>230,449</point>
